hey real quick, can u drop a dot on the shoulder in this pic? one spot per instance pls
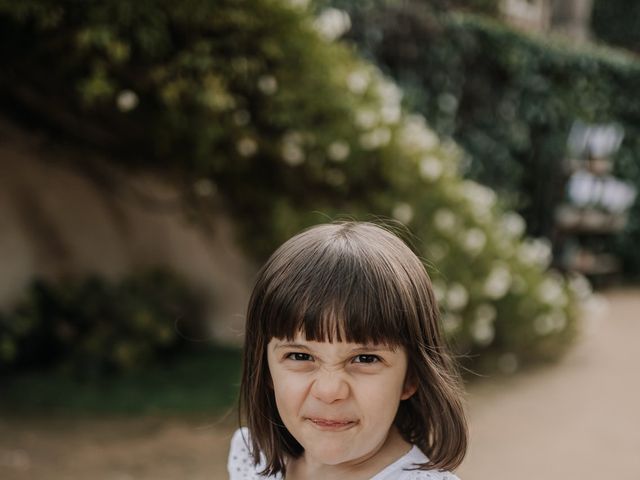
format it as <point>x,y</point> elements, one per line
<point>240,441</point>
<point>240,464</point>
<point>427,475</point>
<point>404,468</point>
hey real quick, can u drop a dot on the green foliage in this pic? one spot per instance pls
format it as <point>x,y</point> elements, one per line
<point>195,381</point>
<point>293,129</point>
<point>487,7</point>
<point>480,6</point>
<point>92,327</point>
<point>509,100</point>
<point>617,22</point>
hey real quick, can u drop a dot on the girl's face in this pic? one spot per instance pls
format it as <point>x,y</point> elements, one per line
<point>338,399</point>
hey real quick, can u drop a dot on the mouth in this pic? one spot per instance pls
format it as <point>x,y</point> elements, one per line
<point>331,424</point>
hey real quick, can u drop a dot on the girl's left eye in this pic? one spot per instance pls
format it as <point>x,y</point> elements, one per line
<point>366,359</point>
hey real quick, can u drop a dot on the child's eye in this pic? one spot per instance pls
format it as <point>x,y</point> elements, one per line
<point>366,359</point>
<point>300,357</point>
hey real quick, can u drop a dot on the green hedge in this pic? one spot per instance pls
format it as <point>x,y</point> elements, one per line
<point>94,327</point>
<point>509,99</point>
<point>617,22</point>
<point>254,102</point>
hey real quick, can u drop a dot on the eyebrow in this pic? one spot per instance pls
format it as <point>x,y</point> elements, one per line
<point>365,348</point>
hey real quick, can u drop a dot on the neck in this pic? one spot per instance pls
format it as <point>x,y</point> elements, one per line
<point>391,449</point>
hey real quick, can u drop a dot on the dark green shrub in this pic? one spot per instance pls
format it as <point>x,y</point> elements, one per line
<point>617,22</point>
<point>92,327</point>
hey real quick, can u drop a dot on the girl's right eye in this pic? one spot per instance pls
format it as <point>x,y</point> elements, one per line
<point>299,357</point>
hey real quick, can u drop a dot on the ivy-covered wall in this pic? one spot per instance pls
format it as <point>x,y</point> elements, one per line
<point>617,22</point>
<point>509,99</point>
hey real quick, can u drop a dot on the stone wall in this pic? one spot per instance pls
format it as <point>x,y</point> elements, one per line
<point>59,220</point>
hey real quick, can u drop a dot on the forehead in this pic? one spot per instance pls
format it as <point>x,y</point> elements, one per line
<point>300,340</point>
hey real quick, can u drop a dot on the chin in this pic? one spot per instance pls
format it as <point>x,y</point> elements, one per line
<point>328,456</point>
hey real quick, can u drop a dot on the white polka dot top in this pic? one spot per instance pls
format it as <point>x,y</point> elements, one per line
<point>241,467</point>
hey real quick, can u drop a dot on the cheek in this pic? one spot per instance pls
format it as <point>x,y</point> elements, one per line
<point>289,390</point>
<point>379,398</point>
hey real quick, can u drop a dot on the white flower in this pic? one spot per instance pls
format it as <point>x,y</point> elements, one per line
<point>292,136</point>
<point>444,220</point>
<point>550,291</point>
<point>482,332</point>
<point>389,93</point>
<point>430,168</point>
<point>513,224</point>
<point>335,177</point>
<point>204,187</point>
<point>508,363</point>
<point>498,282</point>
<point>535,251</point>
<point>375,139</point>
<point>474,241</point>
<point>457,297</point>
<point>358,81</point>
<point>549,322</point>
<point>338,151</point>
<point>300,4</point>
<point>268,84</point>
<point>439,290</point>
<point>451,322</point>
<point>482,328</point>
<point>403,212</point>
<point>292,154</point>
<point>485,312</point>
<point>451,149</point>
<point>447,102</point>
<point>416,136</point>
<point>480,198</point>
<point>247,146</point>
<point>559,320</point>
<point>332,23</point>
<point>366,119</point>
<point>127,100</point>
<point>292,151</point>
<point>241,118</point>
<point>390,114</point>
<point>437,251</point>
<point>580,286</point>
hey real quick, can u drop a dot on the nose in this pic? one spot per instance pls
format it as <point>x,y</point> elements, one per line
<point>329,387</point>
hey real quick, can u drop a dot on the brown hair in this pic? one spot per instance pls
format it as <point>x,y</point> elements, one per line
<point>353,282</point>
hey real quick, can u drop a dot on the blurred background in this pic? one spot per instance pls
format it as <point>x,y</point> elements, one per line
<point>153,154</point>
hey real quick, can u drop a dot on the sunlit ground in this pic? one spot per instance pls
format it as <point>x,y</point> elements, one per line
<point>578,420</point>
<point>575,420</point>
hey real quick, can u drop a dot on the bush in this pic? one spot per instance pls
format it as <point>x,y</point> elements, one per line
<point>617,22</point>
<point>508,99</point>
<point>256,101</point>
<point>93,327</point>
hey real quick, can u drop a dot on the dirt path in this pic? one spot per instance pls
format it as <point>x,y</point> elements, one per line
<point>113,449</point>
<point>577,420</point>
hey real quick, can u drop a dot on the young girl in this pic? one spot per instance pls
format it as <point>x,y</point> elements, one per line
<point>346,375</point>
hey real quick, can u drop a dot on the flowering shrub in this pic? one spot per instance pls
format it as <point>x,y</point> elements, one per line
<point>259,103</point>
